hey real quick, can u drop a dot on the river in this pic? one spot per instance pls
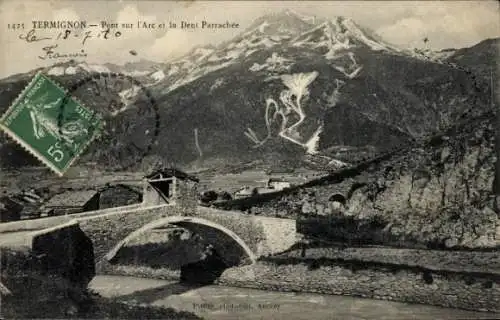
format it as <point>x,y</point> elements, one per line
<point>224,303</point>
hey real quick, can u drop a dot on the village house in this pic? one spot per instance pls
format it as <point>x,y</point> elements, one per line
<point>169,186</point>
<point>278,184</point>
<point>24,205</point>
<point>10,210</point>
<point>71,202</point>
<point>119,195</point>
<point>245,192</point>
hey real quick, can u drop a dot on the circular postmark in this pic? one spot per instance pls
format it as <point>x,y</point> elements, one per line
<point>121,113</point>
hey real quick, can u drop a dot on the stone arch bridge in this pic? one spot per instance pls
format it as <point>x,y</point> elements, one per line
<point>239,238</point>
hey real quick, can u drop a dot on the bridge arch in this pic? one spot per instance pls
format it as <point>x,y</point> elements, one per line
<point>182,221</point>
<point>338,197</point>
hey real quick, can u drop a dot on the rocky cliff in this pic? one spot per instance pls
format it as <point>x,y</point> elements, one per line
<point>438,194</point>
<point>441,192</point>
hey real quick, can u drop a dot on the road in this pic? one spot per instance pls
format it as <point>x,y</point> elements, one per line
<point>224,303</point>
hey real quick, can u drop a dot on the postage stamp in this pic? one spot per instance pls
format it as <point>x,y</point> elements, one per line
<point>130,116</point>
<point>49,124</point>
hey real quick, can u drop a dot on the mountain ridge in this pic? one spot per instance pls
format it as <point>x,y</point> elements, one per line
<point>329,85</point>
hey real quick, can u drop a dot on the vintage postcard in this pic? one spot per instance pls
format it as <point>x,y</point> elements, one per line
<point>249,159</point>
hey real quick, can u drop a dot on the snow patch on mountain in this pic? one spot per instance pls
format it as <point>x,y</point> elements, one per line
<point>217,83</point>
<point>158,75</point>
<point>136,73</point>
<point>233,54</point>
<point>127,97</point>
<point>71,70</point>
<point>355,31</point>
<point>94,68</point>
<point>56,71</point>
<point>312,145</point>
<point>350,71</point>
<point>263,26</point>
<point>290,114</point>
<point>275,63</point>
<point>173,70</point>
<point>201,53</point>
<point>128,94</point>
<point>197,73</point>
<point>250,52</point>
<point>339,34</point>
<point>337,163</point>
<point>61,70</point>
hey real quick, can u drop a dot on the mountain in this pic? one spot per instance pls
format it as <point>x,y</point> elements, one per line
<point>292,86</point>
<point>482,58</point>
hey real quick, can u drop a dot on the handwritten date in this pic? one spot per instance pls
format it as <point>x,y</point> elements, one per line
<point>31,35</point>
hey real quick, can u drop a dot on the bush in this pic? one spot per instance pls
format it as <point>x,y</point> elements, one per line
<point>208,196</point>
<point>225,196</point>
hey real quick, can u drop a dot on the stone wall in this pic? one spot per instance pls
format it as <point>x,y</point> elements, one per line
<point>187,197</point>
<point>263,235</point>
<point>46,266</point>
<point>64,251</point>
<point>413,285</point>
<point>107,230</point>
<point>280,235</point>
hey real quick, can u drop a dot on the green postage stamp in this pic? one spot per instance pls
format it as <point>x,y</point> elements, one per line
<point>50,124</point>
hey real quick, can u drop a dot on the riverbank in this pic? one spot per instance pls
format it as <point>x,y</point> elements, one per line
<point>479,291</point>
<point>215,302</point>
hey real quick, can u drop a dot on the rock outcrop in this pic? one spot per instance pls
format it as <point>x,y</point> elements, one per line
<point>436,194</point>
<point>440,193</point>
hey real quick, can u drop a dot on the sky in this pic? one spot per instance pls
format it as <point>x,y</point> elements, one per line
<point>446,24</point>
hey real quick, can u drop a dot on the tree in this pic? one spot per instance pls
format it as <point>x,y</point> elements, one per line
<point>255,192</point>
<point>224,195</point>
<point>208,196</point>
<point>496,180</point>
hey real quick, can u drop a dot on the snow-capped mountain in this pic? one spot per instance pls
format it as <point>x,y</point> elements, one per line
<point>282,31</point>
<point>289,85</point>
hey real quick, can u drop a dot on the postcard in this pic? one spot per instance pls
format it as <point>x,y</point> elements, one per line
<point>249,159</point>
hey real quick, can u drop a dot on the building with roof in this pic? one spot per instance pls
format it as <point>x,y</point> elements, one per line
<point>71,202</point>
<point>19,206</point>
<point>245,192</point>
<point>169,186</point>
<point>10,210</point>
<point>278,184</point>
<point>118,195</point>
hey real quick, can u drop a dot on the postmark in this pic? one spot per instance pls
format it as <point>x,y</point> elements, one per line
<point>36,122</point>
<point>130,114</point>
